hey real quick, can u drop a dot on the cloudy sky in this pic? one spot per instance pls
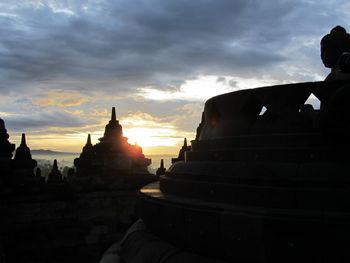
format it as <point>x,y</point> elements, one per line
<point>64,64</point>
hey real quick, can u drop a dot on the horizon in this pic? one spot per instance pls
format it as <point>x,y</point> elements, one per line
<point>64,65</point>
<point>37,150</point>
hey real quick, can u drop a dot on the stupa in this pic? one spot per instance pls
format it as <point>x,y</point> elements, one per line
<point>23,165</point>
<point>161,170</point>
<point>181,155</point>
<point>6,150</point>
<point>256,186</point>
<point>55,176</point>
<point>113,159</point>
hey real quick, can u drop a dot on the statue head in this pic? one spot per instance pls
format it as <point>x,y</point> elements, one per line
<point>333,45</point>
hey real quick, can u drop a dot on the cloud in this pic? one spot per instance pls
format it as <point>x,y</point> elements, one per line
<point>61,98</point>
<point>130,44</point>
<point>66,63</point>
<point>43,120</point>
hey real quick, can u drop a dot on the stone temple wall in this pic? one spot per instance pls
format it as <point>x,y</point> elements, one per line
<point>50,228</point>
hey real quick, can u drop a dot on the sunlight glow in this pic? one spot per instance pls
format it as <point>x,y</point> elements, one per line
<point>56,142</point>
<point>146,137</point>
<point>205,87</point>
<point>200,88</point>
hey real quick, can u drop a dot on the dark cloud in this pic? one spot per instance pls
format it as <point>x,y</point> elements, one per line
<point>131,43</point>
<point>16,123</point>
<point>106,49</point>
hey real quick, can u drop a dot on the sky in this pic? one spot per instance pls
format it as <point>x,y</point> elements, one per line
<point>65,64</point>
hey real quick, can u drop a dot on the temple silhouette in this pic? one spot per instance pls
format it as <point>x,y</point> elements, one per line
<point>74,217</point>
<point>265,180</point>
<point>6,149</point>
<point>161,170</point>
<point>17,174</point>
<point>255,186</point>
<point>113,162</point>
<point>181,155</point>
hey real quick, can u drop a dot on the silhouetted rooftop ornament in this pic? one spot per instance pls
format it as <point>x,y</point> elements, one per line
<point>55,176</point>
<point>112,158</point>
<point>113,130</point>
<point>161,170</point>
<point>23,163</point>
<point>23,151</point>
<point>113,116</point>
<point>88,146</point>
<point>88,142</point>
<point>181,156</point>
<point>6,148</point>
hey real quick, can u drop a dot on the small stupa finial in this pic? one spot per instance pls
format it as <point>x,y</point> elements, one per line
<point>55,176</point>
<point>88,142</point>
<point>2,124</point>
<point>55,166</point>
<point>23,139</point>
<point>113,117</point>
<point>161,170</point>
<point>88,146</point>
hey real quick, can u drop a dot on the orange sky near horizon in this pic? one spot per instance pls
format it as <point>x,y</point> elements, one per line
<point>155,134</point>
<point>65,64</point>
<point>75,145</point>
<point>151,145</point>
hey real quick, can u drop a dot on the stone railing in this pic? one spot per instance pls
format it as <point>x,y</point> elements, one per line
<point>240,112</point>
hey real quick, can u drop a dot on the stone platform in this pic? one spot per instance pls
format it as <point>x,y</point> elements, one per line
<point>260,186</point>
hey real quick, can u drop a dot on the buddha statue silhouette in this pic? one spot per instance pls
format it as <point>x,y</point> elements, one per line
<point>335,48</point>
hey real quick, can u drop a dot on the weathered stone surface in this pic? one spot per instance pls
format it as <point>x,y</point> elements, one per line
<point>270,187</point>
<point>45,228</point>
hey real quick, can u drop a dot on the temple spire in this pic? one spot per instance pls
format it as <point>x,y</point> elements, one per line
<point>2,124</point>
<point>113,117</point>
<point>55,176</point>
<point>181,156</point>
<point>161,170</point>
<point>23,151</point>
<point>55,166</point>
<point>113,129</point>
<point>88,146</point>
<point>88,142</point>
<point>23,139</point>
<point>23,163</point>
<point>6,149</point>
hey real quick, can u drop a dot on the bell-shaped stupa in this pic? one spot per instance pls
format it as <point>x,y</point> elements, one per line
<point>55,176</point>
<point>6,149</point>
<point>181,156</point>
<point>161,170</point>
<point>23,165</point>
<point>112,159</point>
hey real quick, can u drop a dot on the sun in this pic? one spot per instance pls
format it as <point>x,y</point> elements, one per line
<point>150,137</point>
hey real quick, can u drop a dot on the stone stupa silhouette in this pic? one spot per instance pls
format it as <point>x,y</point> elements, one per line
<point>112,160</point>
